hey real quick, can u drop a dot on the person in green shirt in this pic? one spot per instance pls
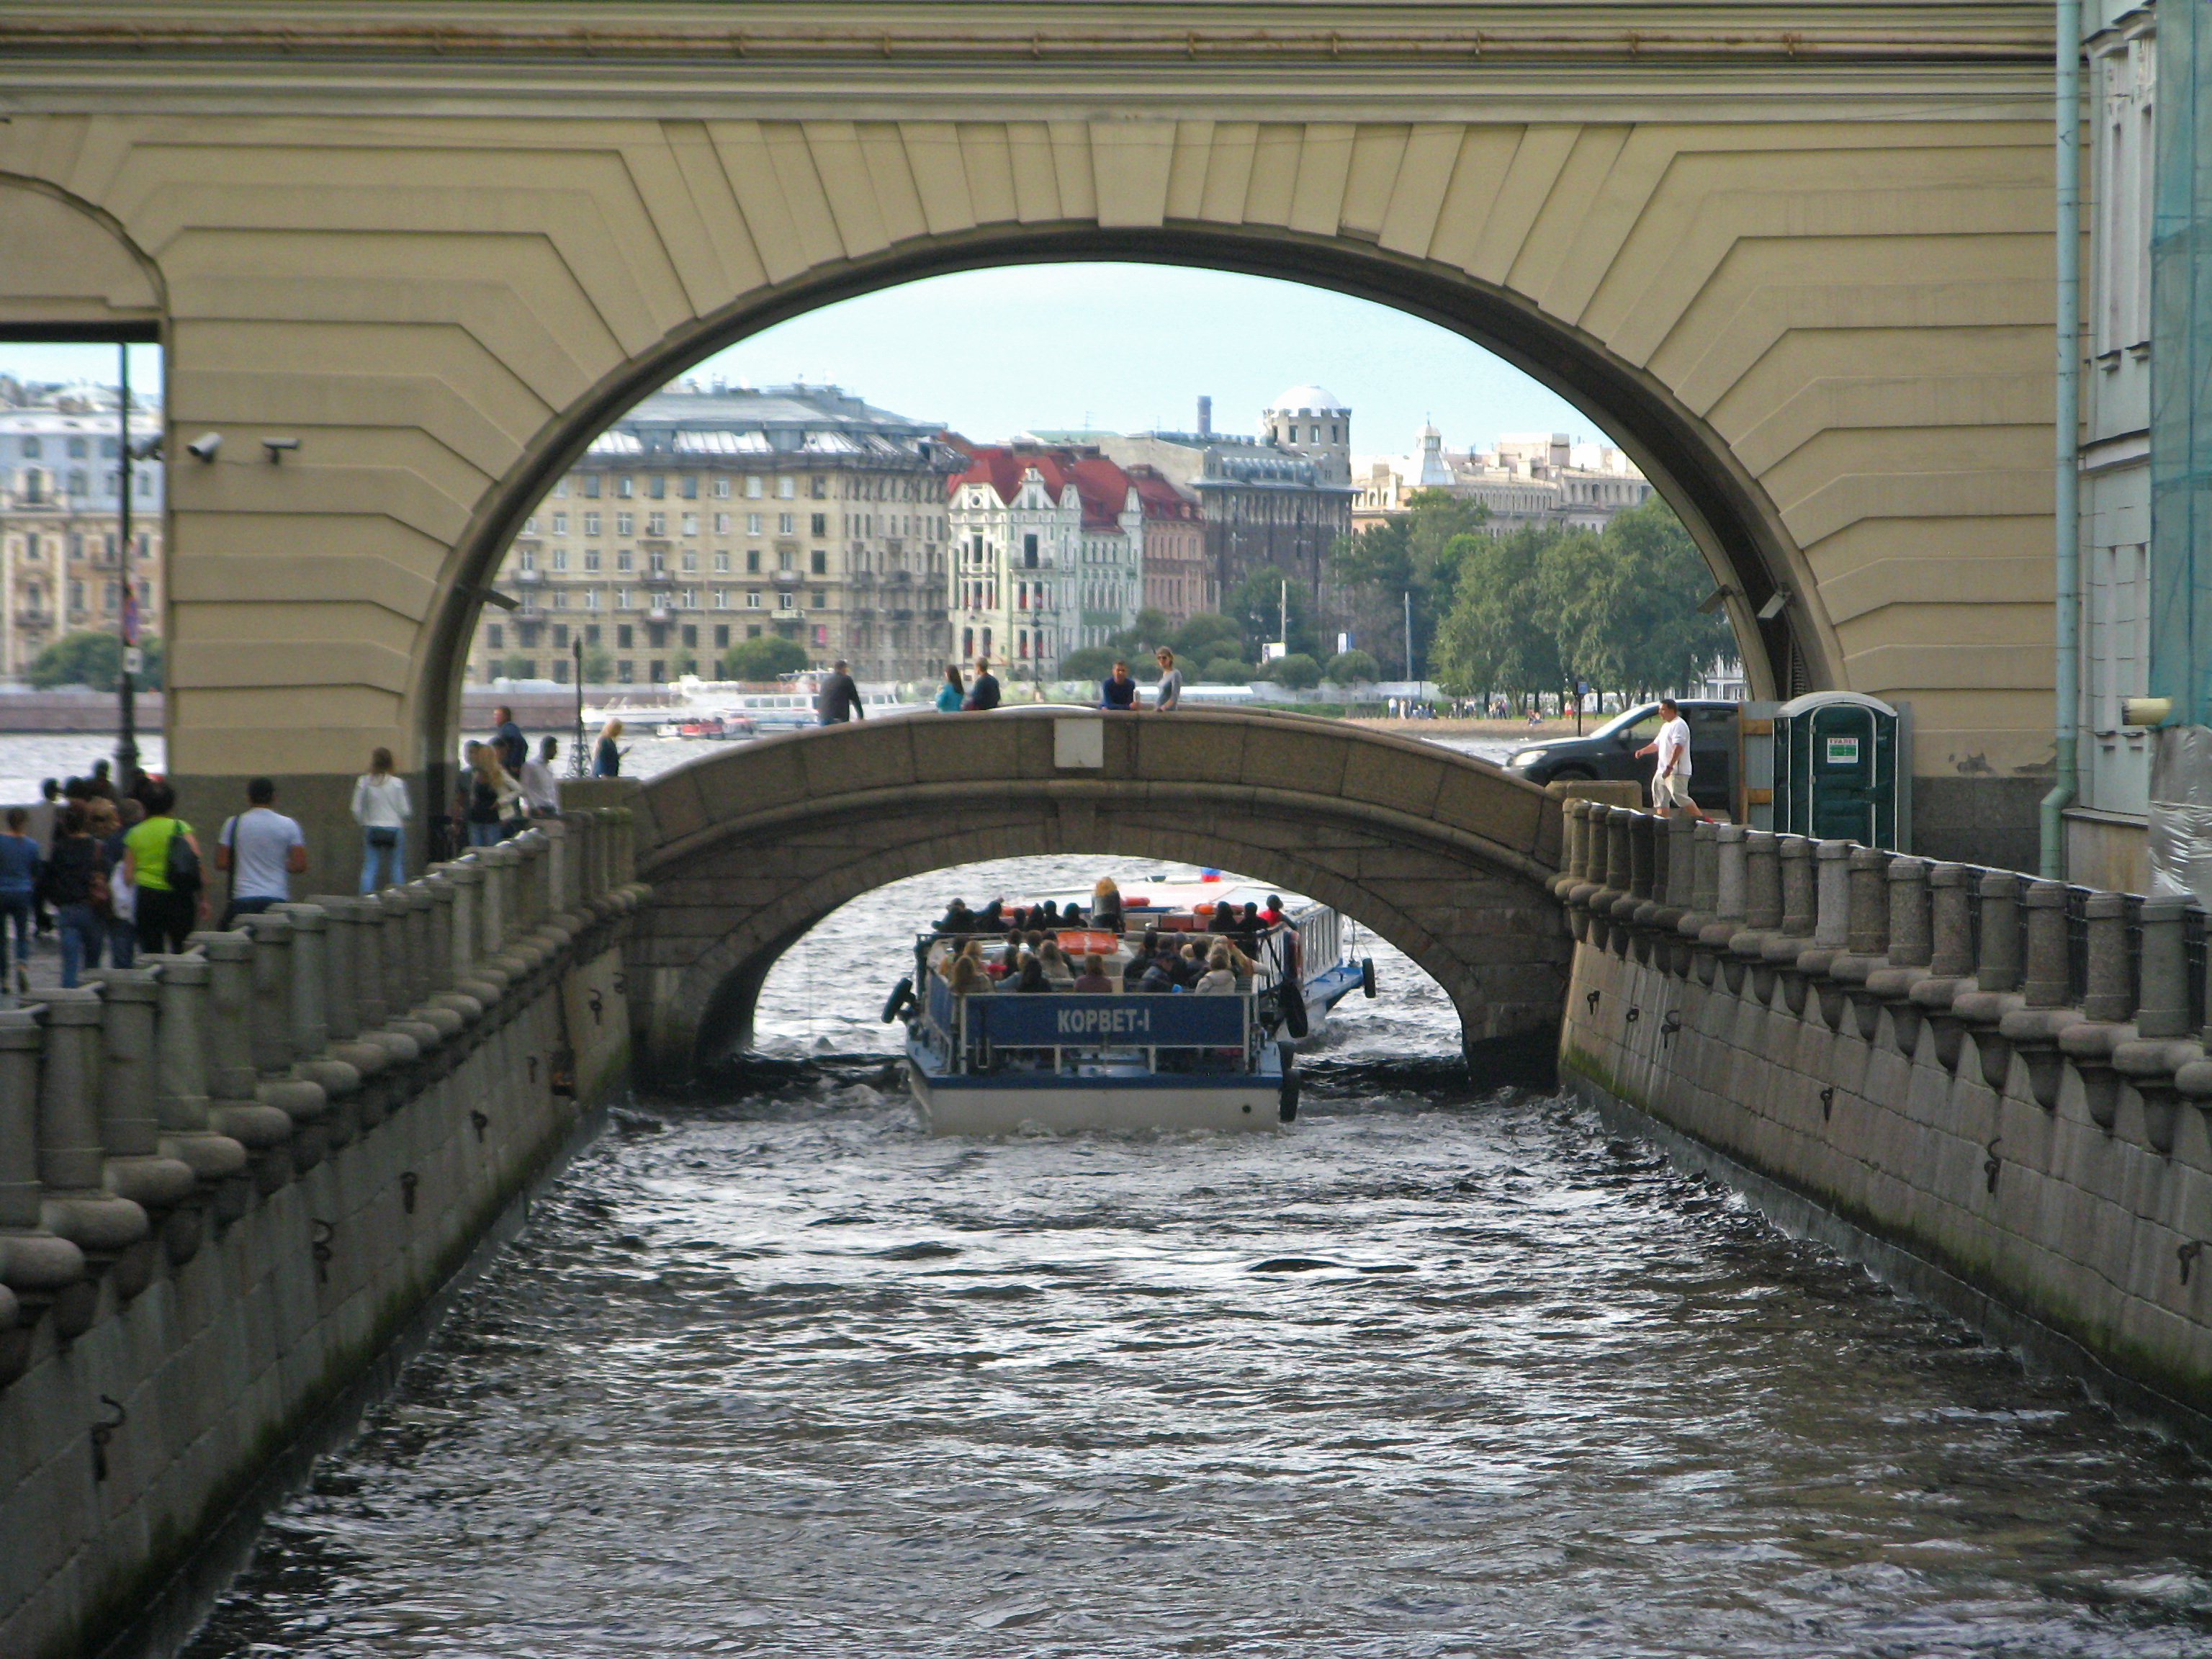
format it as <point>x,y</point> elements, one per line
<point>164,916</point>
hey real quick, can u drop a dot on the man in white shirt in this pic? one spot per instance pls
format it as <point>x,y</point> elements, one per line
<point>1670,780</point>
<point>263,850</point>
<point>539,786</point>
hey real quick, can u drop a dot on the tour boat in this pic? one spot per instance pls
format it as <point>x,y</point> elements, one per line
<point>1064,1061</point>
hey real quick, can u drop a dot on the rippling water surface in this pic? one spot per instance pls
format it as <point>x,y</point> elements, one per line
<point>1436,1372</point>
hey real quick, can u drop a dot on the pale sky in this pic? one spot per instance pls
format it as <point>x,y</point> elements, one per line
<point>991,353</point>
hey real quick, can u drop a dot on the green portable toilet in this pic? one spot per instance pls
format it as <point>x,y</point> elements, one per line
<point>1836,760</point>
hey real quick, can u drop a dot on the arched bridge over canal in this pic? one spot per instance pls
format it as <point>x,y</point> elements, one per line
<point>746,849</point>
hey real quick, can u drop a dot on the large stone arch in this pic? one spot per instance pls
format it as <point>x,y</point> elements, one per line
<point>1443,855</point>
<point>1804,268</point>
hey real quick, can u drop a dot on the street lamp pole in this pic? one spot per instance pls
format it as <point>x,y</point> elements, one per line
<point>126,741</point>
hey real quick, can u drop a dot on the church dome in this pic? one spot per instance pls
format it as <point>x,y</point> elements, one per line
<point>1318,398</point>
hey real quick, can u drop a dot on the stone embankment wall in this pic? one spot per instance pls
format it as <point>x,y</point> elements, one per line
<point>229,1178</point>
<point>1997,1085</point>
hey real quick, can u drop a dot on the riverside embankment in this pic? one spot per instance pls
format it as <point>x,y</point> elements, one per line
<point>229,1179</point>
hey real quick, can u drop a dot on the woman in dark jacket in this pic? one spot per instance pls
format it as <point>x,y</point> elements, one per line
<point>76,865</point>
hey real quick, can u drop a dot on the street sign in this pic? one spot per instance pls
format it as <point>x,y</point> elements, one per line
<point>134,660</point>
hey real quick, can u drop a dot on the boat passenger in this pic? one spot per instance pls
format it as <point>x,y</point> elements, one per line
<point>1249,927</point>
<point>1106,905</point>
<point>1055,965</point>
<point>957,919</point>
<point>990,919</point>
<point>1186,966</point>
<point>1051,916</point>
<point>1219,978</point>
<point>968,977</point>
<point>1072,916</point>
<point>1224,918</point>
<point>1273,915</point>
<point>1092,980</point>
<point>1031,979</point>
<point>1158,976</point>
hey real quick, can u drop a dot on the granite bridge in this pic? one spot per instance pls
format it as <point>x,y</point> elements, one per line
<point>1447,857</point>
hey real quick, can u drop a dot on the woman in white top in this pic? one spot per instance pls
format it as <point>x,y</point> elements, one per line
<point>380,807</point>
<point>1219,978</point>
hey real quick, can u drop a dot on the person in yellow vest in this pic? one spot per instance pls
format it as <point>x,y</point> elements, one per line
<point>171,892</point>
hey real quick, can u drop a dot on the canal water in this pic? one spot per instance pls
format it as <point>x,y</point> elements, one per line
<point>1438,1371</point>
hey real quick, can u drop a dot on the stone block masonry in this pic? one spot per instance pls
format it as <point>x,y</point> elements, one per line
<point>1994,1090</point>
<point>229,1179</point>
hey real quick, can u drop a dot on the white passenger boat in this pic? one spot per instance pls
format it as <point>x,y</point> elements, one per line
<point>1063,1061</point>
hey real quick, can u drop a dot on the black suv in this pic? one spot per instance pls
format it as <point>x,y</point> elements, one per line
<point>1610,752</point>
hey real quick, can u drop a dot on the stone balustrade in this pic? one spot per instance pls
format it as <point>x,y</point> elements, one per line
<point>1996,1066</point>
<point>229,1176</point>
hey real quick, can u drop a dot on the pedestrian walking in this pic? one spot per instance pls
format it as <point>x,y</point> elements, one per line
<point>983,689</point>
<point>1670,776</point>
<point>110,825</point>
<point>21,863</point>
<point>261,850</point>
<point>1171,681</point>
<point>161,859</point>
<point>541,789</point>
<point>78,886</point>
<point>606,759</point>
<point>380,807</point>
<point>951,694</point>
<point>837,699</point>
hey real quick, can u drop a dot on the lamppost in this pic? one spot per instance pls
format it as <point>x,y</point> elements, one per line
<point>126,741</point>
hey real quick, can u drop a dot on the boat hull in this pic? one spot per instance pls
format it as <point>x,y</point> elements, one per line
<point>1018,1105</point>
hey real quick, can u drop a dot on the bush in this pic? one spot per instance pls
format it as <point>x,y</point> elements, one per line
<point>1227,671</point>
<point>1092,662</point>
<point>1197,638</point>
<point>88,657</point>
<point>1351,668</point>
<point>763,659</point>
<point>599,665</point>
<point>1298,670</point>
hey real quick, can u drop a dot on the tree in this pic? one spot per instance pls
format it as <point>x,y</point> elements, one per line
<point>88,657</point>
<point>1675,643</point>
<point>599,666</point>
<point>1256,604</point>
<point>514,666</point>
<point>1500,633</point>
<point>763,659</point>
<point>1090,662</point>
<point>1414,552</point>
<point>1196,638</point>
<point>1298,670</point>
<point>1227,670</point>
<point>1351,668</point>
<point>687,662</point>
<point>1138,642</point>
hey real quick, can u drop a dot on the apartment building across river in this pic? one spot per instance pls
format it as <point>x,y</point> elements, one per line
<point>704,517</point>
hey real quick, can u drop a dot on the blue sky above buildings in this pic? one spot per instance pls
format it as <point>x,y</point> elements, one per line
<point>995,352</point>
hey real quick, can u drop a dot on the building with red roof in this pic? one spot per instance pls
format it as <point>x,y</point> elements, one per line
<point>1179,578</point>
<point>1048,546</point>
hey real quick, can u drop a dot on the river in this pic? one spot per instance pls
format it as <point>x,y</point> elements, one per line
<point>1437,1371</point>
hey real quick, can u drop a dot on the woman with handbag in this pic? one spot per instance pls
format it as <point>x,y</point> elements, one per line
<point>380,807</point>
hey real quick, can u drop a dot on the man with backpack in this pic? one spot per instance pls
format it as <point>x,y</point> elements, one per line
<point>263,850</point>
<point>161,861</point>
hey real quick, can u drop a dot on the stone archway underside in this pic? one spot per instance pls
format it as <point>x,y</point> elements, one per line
<point>1443,856</point>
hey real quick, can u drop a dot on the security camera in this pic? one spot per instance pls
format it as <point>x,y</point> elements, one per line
<point>1775,605</point>
<point>203,448</point>
<point>276,446</point>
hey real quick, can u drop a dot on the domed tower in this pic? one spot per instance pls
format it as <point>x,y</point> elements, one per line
<point>1310,420</point>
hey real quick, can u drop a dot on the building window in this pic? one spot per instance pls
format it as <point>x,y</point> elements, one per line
<point>752,523</point>
<point>623,632</point>
<point>721,524</point>
<point>784,602</point>
<point>560,523</point>
<point>591,524</point>
<point>560,671</point>
<point>622,561</point>
<point>821,562</point>
<point>690,561</point>
<point>721,635</point>
<point>560,558</point>
<point>690,599</point>
<point>690,487</point>
<point>1030,552</point>
<point>495,636</point>
<point>658,560</point>
<point>656,523</point>
<point>76,449</point>
<point>821,600</point>
<point>591,558</point>
<point>657,487</point>
<point>722,562</point>
<point>625,522</point>
<point>752,560</point>
<point>526,559</point>
<point>561,488</point>
<point>818,487</point>
<point>690,634</point>
<point>721,598</point>
<point>786,524</point>
<point>783,560</point>
<point>721,489</point>
<point>753,488</point>
<point>786,488</point>
<point>623,489</point>
<point>752,599</point>
<point>32,449</point>
<point>691,524</point>
<point>821,523</point>
<point>660,672</point>
<point>561,633</point>
<point>624,670</point>
<point>591,599</point>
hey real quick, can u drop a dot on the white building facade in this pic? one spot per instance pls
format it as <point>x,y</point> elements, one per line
<point>1048,557</point>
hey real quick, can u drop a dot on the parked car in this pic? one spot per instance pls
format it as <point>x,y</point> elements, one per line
<point>1610,751</point>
